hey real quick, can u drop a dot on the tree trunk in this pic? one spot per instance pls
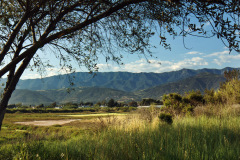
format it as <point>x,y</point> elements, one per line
<point>4,103</point>
<point>11,85</point>
<point>1,118</point>
<point>6,97</point>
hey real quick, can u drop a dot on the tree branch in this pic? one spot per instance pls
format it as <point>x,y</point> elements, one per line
<point>52,25</point>
<point>12,37</point>
<point>33,31</point>
<point>14,62</point>
<point>17,29</point>
<point>92,20</point>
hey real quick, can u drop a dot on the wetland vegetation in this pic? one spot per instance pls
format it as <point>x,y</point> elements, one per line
<point>135,135</point>
<point>190,126</point>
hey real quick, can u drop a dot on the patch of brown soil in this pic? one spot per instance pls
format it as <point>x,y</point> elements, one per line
<point>48,122</point>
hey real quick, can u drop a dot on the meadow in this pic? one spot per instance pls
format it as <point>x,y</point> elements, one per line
<point>213,132</point>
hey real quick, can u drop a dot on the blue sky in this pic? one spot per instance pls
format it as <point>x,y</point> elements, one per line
<point>200,53</point>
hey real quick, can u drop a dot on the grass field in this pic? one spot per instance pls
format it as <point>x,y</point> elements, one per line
<point>95,115</point>
<point>129,136</point>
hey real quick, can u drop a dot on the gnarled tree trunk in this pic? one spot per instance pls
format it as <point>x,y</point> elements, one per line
<point>5,99</point>
<point>1,118</point>
<point>11,84</point>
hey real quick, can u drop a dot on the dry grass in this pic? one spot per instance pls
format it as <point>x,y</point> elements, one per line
<point>139,135</point>
<point>217,110</point>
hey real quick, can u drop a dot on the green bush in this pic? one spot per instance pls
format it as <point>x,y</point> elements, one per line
<point>165,117</point>
<point>212,97</point>
<point>183,104</point>
<point>195,98</point>
<point>230,91</point>
<point>173,100</point>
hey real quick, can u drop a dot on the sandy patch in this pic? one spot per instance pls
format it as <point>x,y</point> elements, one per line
<point>48,122</point>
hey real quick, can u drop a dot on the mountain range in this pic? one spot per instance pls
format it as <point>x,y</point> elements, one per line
<point>121,86</point>
<point>124,81</point>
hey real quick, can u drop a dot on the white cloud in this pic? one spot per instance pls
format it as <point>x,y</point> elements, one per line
<point>189,63</point>
<point>228,58</point>
<point>194,52</point>
<point>218,54</point>
<point>30,76</point>
<point>221,58</point>
<point>47,73</point>
<point>154,66</point>
<point>141,65</point>
<point>108,67</point>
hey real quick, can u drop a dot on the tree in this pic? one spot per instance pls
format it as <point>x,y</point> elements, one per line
<point>173,100</point>
<point>149,101</point>
<point>133,104</point>
<point>40,106</point>
<point>231,74</point>
<point>229,92</point>
<point>112,103</point>
<point>82,30</point>
<point>54,104</point>
<point>194,97</point>
<point>70,105</point>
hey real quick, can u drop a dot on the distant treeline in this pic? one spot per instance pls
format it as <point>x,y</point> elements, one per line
<point>85,105</point>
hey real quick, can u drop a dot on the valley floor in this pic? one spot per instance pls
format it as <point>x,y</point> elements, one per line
<point>135,135</point>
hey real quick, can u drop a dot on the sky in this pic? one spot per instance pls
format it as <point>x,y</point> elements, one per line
<point>197,53</point>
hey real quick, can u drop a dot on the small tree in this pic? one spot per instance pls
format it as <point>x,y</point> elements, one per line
<point>54,104</point>
<point>70,105</point>
<point>231,74</point>
<point>88,103</point>
<point>111,103</point>
<point>230,91</point>
<point>212,97</point>
<point>183,104</point>
<point>173,100</point>
<point>195,98</point>
<point>133,104</point>
<point>40,106</point>
<point>147,101</point>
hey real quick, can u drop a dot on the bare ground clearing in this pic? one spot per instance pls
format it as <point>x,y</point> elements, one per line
<point>48,122</point>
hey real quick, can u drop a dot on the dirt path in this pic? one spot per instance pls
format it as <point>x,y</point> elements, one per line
<point>48,122</point>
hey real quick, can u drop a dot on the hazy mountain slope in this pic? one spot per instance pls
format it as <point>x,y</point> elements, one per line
<point>124,81</point>
<point>88,94</point>
<point>95,94</point>
<point>27,97</point>
<point>85,94</point>
<point>199,82</point>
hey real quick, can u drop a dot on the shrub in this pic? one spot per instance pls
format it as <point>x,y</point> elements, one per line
<point>230,91</point>
<point>195,98</point>
<point>133,104</point>
<point>173,100</point>
<point>112,103</point>
<point>183,104</point>
<point>150,101</point>
<point>212,97</point>
<point>166,117</point>
<point>209,96</point>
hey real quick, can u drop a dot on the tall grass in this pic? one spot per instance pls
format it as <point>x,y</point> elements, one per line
<point>134,138</point>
